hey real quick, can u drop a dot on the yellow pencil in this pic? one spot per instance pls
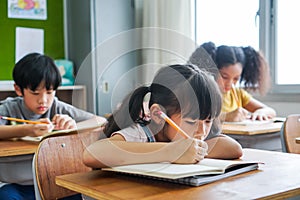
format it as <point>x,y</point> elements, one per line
<point>235,95</point>
<point>21,120</point>
<point>172,123</point>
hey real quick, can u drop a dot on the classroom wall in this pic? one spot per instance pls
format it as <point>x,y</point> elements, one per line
<point>53,34</point>
<point>89,24</point>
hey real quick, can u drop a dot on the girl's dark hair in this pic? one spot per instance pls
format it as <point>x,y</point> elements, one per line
<point>255,74</point>
<point>33,69</point>
<point>256,70</point>
<point>181,89</point>
<point>205,58</point>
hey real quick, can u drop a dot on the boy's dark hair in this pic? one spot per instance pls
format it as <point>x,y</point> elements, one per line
<point>34,68</point>
<point>183,89</point>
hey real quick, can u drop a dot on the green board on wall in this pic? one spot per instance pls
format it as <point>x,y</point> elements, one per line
<point>53,34</point>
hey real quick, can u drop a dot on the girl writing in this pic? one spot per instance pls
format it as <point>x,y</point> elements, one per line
<point>188,96</point>
<point>238,64</point>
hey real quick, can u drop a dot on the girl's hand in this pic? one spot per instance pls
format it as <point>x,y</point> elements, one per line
<point>189,151</point>
<point>63,122</point>
<point>39,129</point>
<point>237,115</point>
<point>259,115</point>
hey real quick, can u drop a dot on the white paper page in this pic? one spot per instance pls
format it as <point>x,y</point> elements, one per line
<point>28,40</point>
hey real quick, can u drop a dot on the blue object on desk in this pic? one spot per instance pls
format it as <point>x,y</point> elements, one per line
<point>66,70</point>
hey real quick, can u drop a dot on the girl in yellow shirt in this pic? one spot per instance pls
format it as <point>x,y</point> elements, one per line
<point>238,64</point>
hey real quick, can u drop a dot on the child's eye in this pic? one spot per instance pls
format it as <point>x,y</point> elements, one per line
<point>236,79</point>
<point>208,121</point>
<point>191,122</point>
<point>50,92</point>
<point>224,77</point>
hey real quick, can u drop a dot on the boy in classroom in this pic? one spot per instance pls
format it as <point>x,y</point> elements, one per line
<point>36,80</point>
<point>190,98</point>
<point>238,64</point>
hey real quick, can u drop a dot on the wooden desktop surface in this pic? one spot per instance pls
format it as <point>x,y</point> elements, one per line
<point>251,129</point>
<point>277,178</point>
<point>17,147</point>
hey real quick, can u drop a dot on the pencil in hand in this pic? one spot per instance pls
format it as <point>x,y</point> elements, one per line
<point>21,120</point>
<point>235,95</point>
<point>172,123</point>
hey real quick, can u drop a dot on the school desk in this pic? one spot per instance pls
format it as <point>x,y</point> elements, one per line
<point>263,136</point>
<point>17,147</point>
<point>277,178</point>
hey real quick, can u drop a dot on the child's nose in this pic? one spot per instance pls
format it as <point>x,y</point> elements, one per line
<point>42,99</point>
<point>201,131</point>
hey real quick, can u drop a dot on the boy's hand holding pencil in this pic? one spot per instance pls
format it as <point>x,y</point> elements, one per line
<point>21,120</point>
<point>34,128</point>
<point>42,128</point>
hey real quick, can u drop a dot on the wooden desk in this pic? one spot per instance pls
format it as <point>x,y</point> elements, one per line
<point>264,136</point>
<point>251,129</point>
<point>298,140</point>
<point>16,148</point>
<point>278,178</point>
<point>13,153</point>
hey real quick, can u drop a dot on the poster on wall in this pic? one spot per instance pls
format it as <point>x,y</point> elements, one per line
<point>27,9</point>
<point>28,40</point>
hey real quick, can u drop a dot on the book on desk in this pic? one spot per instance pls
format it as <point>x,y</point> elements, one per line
<point>249,122</point>
<point>206,171</point>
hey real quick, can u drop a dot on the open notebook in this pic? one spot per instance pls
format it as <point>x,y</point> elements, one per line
<point>249,122</point>
<point>208,170</point>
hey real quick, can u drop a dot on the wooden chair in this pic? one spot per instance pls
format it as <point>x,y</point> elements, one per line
<point>290,130</point>
<point>57,156</point>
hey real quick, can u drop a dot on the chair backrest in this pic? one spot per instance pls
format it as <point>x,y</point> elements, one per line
<point>290,130</point>
<point>57,156</point>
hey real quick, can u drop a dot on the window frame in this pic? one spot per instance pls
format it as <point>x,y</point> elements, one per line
<point>268,45</point>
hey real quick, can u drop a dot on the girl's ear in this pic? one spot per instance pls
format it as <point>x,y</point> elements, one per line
<point>154,109</point>
<point>18,90</point>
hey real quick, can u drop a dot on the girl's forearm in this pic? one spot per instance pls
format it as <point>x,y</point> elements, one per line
<point>108,152</point>
<point>113,153</point>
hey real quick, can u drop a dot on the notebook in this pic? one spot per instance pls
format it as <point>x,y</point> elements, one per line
<point>249,122</point>
<point>206,171</point>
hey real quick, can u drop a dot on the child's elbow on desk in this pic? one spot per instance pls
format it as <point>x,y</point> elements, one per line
<point>91,161</point>
<point>224,147</point>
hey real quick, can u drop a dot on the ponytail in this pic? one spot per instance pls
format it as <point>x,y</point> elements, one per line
<point>250,74</point>
<point>130,111</point>
<point>256,71</point>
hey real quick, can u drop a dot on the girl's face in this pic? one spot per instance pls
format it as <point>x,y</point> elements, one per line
<point>38,101</point>
<point>195,128</point>
<point>229,75</point>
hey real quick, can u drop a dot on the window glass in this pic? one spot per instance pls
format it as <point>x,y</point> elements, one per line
<point>288,42</point>
<point>230,22</point>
